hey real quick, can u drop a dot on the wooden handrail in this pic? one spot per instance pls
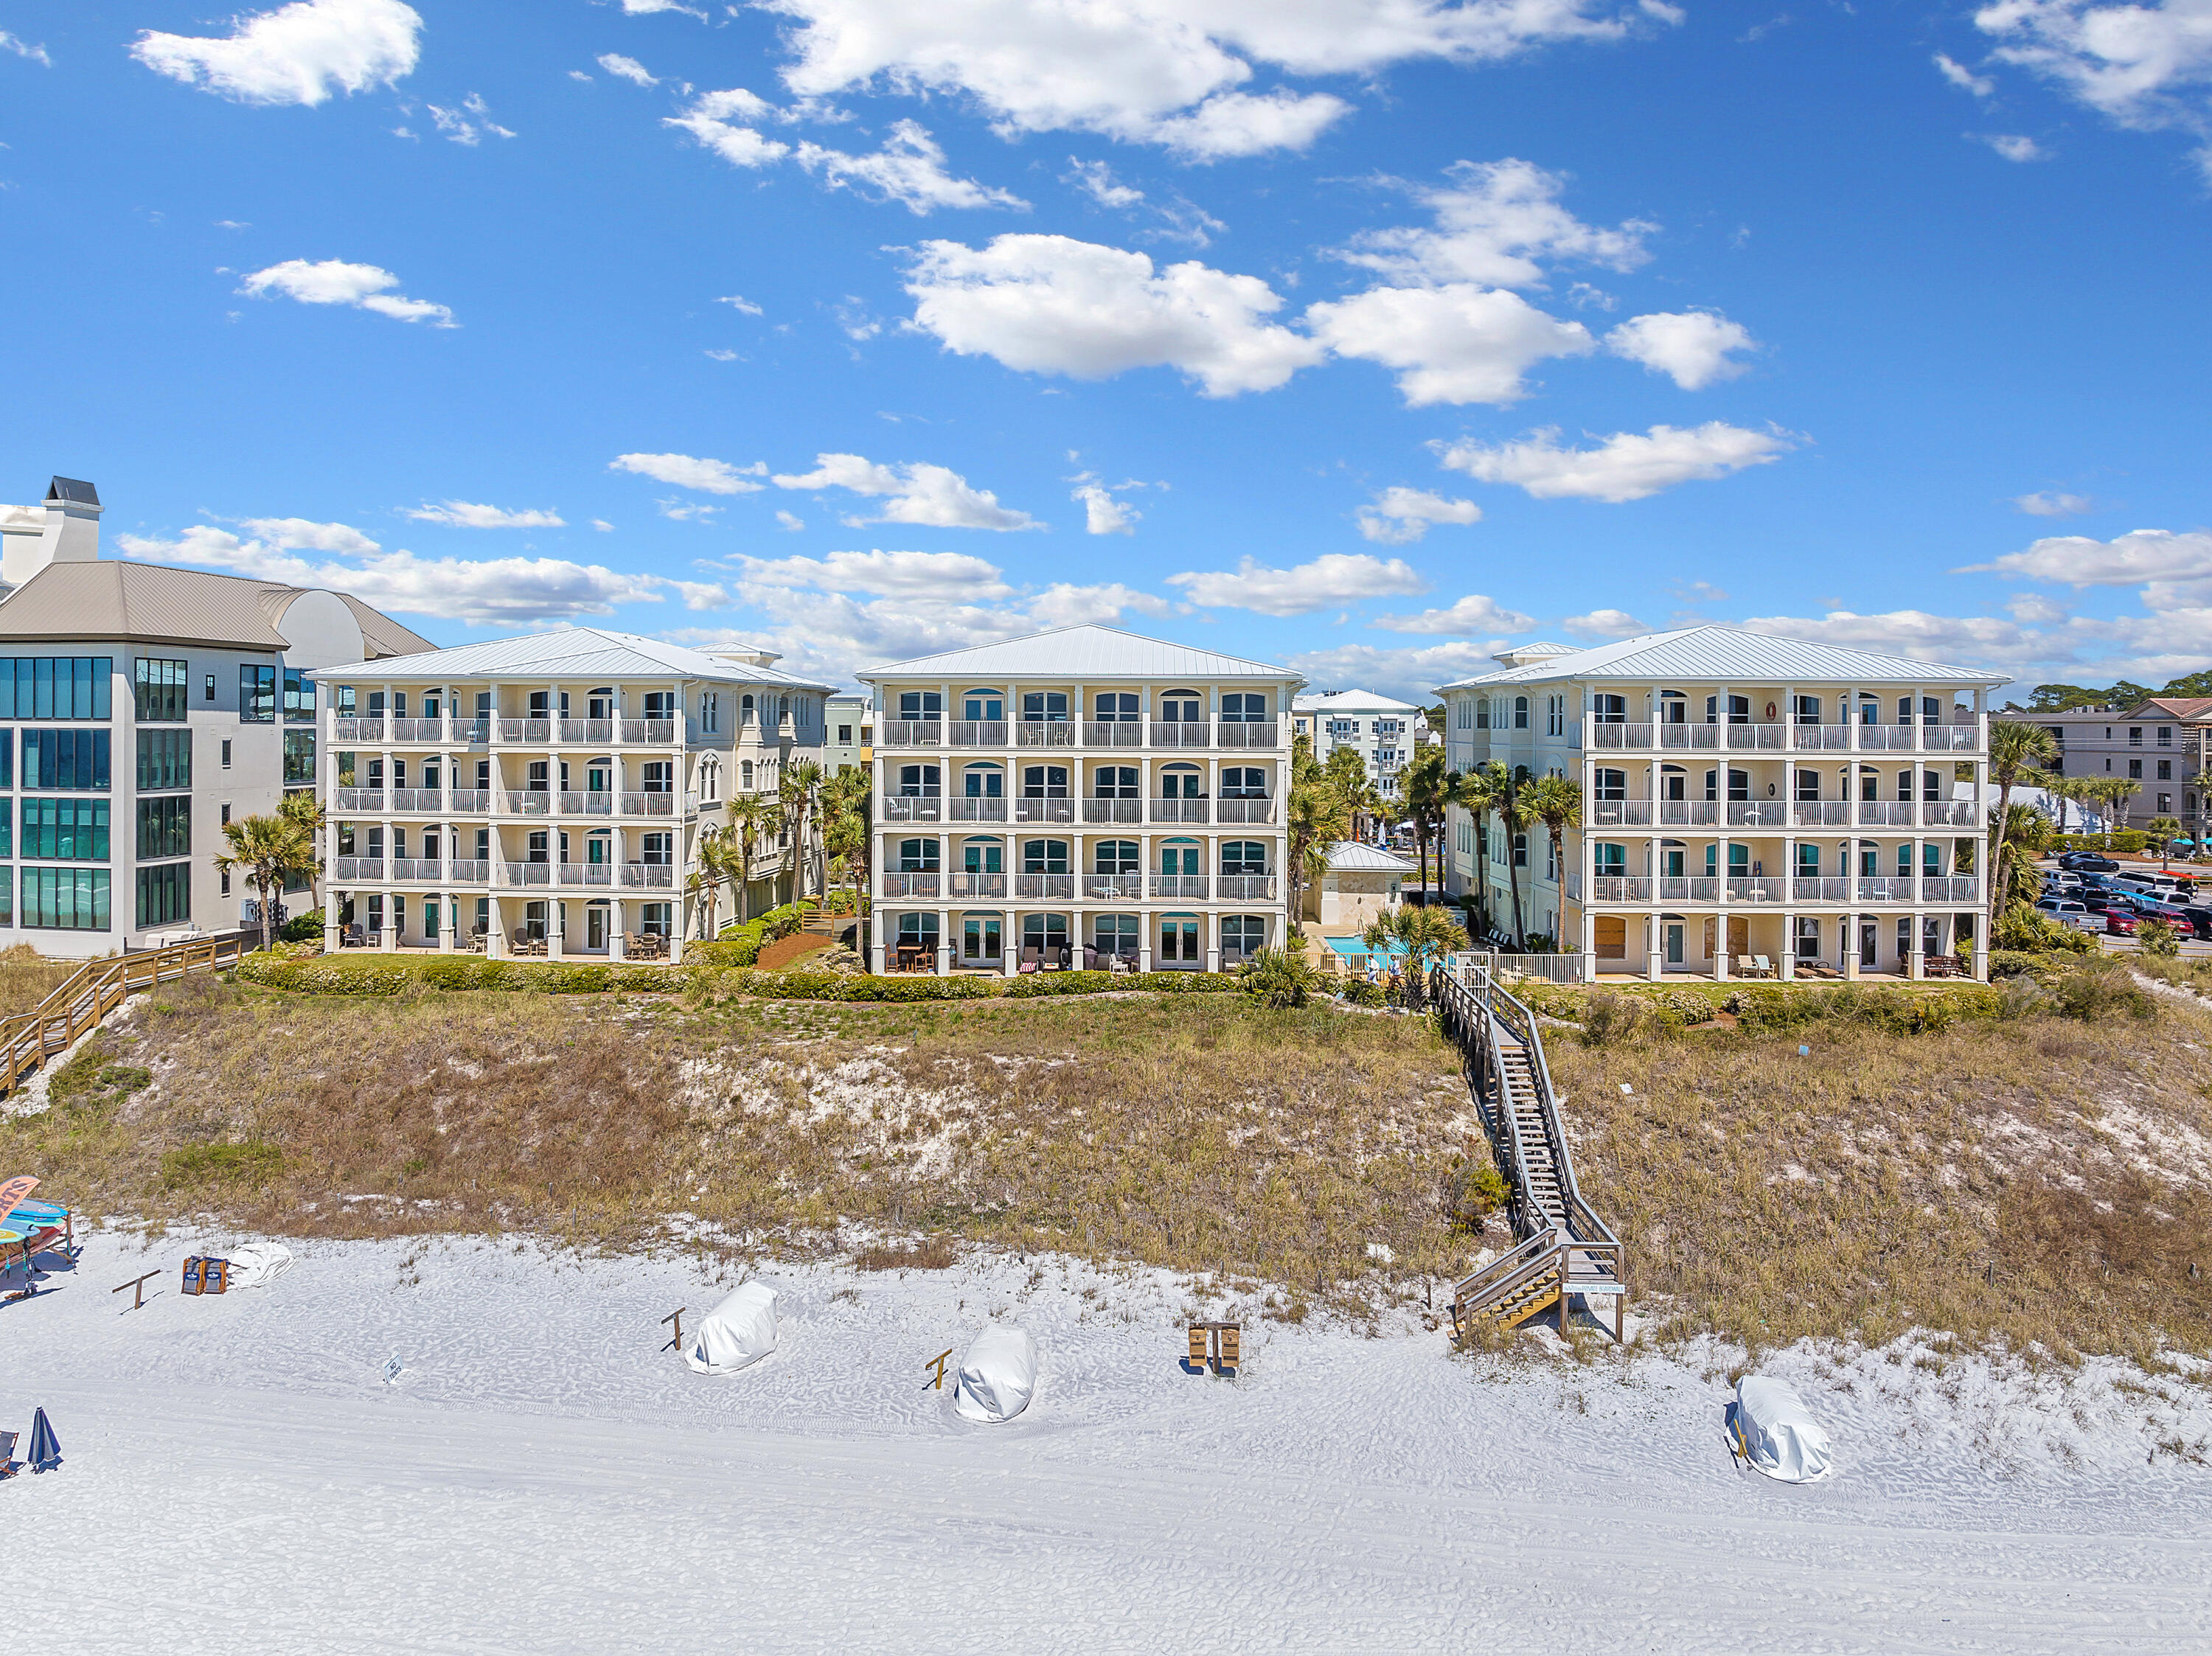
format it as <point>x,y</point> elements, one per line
<point>86,997</point>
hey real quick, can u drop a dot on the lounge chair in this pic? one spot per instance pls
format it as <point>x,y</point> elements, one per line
<point>1747,965</point>
<point>1766,967</point>
<point>1062,958</point>
<point>1089,958</point>
<point>8,1465</point>
<point>352,937</point>
<point>1029,961</point>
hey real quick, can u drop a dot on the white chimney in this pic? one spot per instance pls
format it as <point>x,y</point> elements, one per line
<point>65,529</point>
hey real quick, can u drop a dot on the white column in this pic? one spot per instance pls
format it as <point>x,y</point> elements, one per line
<point>449,920</point>
<point>330,930</point>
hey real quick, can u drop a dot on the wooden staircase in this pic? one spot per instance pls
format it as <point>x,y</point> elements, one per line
<point>1566,1251</point>
<point>90,993</point>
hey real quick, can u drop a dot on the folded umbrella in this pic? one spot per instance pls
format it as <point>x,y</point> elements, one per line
<point>45,1447</point>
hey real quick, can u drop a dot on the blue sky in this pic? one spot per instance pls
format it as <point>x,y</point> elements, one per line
<point>1364,335</point>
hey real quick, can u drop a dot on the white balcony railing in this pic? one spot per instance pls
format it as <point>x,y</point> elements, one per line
<point>912,733</point>
<point>648,804</point>
<point>357,868</point>
<point>1252,888</point>
<point>1265,733</point>
<point>593,802</point>
<point>418,868</point>
<point>526,874</point>
<point>1113,810</point>
<point>911,882</point>
<point>1622,813</point>
<point>1181,810</point>
<point>1964,736</point>
<point>976,808</point>
<point>1814,888</point>
<point>1044,888</point>
<point>1043,734</point>
<point>1900,889</point>
<point>530,801</point>
<point>979,732</point>
<point>1889,813</point>
<point>418,730</point>
<point>1113,734</point>
<point>1822,813</point>
<point>1755,813</point>
<point>1179,734</point>
<point>359,798</point>
<point>1758,889</point>
<point>1113,887</point>
<point>475,732</point>
<point>1186,887</point>
<point>914,808</point>
<point>1951,813</point>
<point>1950,889</point>
<point>468,799</point>
<point>1620,888</point>
<point>469,870</point>
<point>356,729</point>
<point>1245,810</point>
<point>418,799</point>
<point>1044,810</point>
<point>645,730</point>
<point>653,876</point>
<point>586,873</point>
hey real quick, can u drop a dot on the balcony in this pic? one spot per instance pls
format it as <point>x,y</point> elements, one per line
<point>533,802</point>
<point>979,732</point>
<point>660,877</point>
<point>468,799</point>
<point>1814,889</point>
<point>1245,811</point>
<point>592,732</point>
<point>1043,734</point>
<point>1118,734</point>
<point>1190,888</point>
<point>418,730</point>
<point>356,729</point>
<point>916,882</point>
<point>1113,810</point>
<point>1951,889</point>
<point>1889,813</point>
<point>594,802</point>
<point>525,730</point>
<point>648,804</point>
<point>470,871</point>
<point>1822,813</point>
<point>1112,888</point>
<point>1044,810</point>
<point>1964,738</point>
<point>1179,734</point>
<point>1950,813</point>
<point>645,730</point>
<point>1245,888</point>
<point>586,873</point>
<point>1901,889</point>
<point>1181,810</point>
<point>1619,888</point>
<point>476,732</point>
<point>1044,888</point>
<point>417,799</point>
<point>1820,738</point>
<point>976,808</point>
<point>1265,733</point>
<point>526,874</point>
<point>1759,888</point>
<point>361,798</point>
<point>1622,813</point>
<point>418,868</point>
<point>914,808</point>
<point>1755,813</point>
<point>975,882</point>
<point>912,733</point>
<point>357,868</point>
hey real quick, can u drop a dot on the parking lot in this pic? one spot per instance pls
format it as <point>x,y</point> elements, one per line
<point>2193,947</point>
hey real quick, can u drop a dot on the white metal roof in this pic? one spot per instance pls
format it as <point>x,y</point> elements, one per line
<point>1079,653</point>
<point>1356,857</point>
<point>1727,655</point>
<point>1333,701</point>
<point>570,652</point>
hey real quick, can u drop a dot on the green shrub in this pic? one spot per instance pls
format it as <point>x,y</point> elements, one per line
<point>2097,993</point>
<point>1690,1008</point>
<point>2159,938</point>
<point>1058,983</point>
<point>1281,978</point>
<point>1608,1017</point>
<point>730,952</point>
<point>2131,840</point>
<point>305,927</point>
<point>1481,1191</point>
<point>779,923</point>
<point>252,1162</point>
<point>1360,992</point>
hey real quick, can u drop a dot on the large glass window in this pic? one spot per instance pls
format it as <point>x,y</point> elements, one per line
<point>165,894</point>
<point>1243,857</point>
<point>1243,935</point>
<point>1246,708</point>
<point>256,695</point>
<point>300,698</point>
<point>299,758</point>
<point>70,759</point>
<point>1045,856</point>
<point>165,826</point>
<point>66,830</point>
<point>55,687</point>
<point>7,756</point>
<point>66,899</point>
<point>917,856</point>
<point>159,687</point>
<point>164,761</point>
<point>921,705</point>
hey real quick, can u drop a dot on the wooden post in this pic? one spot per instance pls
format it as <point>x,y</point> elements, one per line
<point>676,1317</point>
<point>137,1288</point>
<point>937,1363</point>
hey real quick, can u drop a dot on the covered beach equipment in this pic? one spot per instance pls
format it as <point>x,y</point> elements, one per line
<point>1770,1428</point>
<point>736,1334</point>
<point>45,1447</point>
<point>997,1377</point>
<point>257,1265</point>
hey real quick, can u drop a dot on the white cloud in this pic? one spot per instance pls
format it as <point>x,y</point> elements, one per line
<point>1605,623</point>
<point>2014,147</point>
<point>25,49</point>
<point>469,123</point>
<point>2133,62</point>
<point>1456,343</point>
<point>464,514</point>
<point>1333,579</point>
<point>710,121</point>
<point>1963,78</point>
<point>1102,513</point>
<point>1399,516</point>
<point>487,593</point>
<point>913,493</point>
<point>1096,180</point>
<point>1047,304</point>
<point>685,512</point>
<point>579,75</point>
<point>1412,675</point>
<point>2131,560</point>
<point>603,525</point>
<point>1162,71</point>
<point>301,53</point>
<point>334,282</point>
<point>688,471</point>
<point>1626,466</point>
<point>909,169</point>
<point>629,68</point>
<point>726,356</point>
<point>1493,222</point>
<point>1065,604</point>
<point>2053,503</point>
<point>739,302</point>
<point>1690,347</point>
<point>939,575</point>
<point>1472,615</point>
<point>647,8</point>
<point>790,521</point>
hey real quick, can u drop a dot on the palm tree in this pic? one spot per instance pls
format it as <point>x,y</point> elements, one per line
<point>302,806</point>
<point>2115,791</point>
<point>1317,817</point>
<point>2015,750</point>
<point>1426,793</point>
<point>1422,936</point>
<point>2164,830</point>
<point>749,813</point>
<point>1475,792</point>
<point>267,849</point>
<point>1557,803</point>
<point>797,792</point>
<point>2026,835</point>
<point>1503,791</point>
<point>712,859</point>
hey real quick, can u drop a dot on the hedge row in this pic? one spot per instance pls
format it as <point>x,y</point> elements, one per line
<point>340,975</point>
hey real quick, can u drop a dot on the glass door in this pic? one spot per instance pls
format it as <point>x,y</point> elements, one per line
<point>1178,940</point>
<point>1674,942</point>
<point>981,940</point>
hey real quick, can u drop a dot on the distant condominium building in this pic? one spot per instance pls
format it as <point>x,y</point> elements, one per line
<point>547,794</point>
<point>141,707</point>
<point>1742,795</point>
<point>1385,733</point>
<point>1084,795</point>
<point>852,734</point>
<point>2161,743</point>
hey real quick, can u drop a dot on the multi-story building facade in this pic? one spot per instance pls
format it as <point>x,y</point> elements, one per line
<point>548,794</point>
<point>852,734</point>
<point>2161,743</point>
<point>141,707</point>
<point>1743,795</point>
<point>1082,790</point>
<point>1385,733</point>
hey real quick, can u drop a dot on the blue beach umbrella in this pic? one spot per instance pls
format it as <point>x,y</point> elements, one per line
<point>45,1447</point>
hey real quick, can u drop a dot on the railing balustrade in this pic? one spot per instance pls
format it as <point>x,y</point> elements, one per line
<point>1113,887</point>
<point>1822,813</point>
<point>1758,889</point>
<point>1816,889</point>
<point>1262,733</point>
<point>912,732</point>
<point>592,802</point>
<point>977,808</point>
<point>1181,810</point>
<point>1621,813</point>
<point>1604,737</point>
<point>1172,733</point>
<point>1950,813</point>
<point>1044,888</point>
<point>526,874</point>
<point>1121,733</point>
<point>975,882</point>
<point>476,732</point>
<point>654,875</point>
<point>979,732</point>
<point>1689,813</point>
<point>1762,738</point>
<point>1245,810</point>
<point>1820,738</point>
<point>530,801</point>
<point>645,730</point>
<point>1061,810</point>
<point>1679,737</point>
<point>587,873</point>
<point>648,804</point>
<point>1950,889</point>
<point>914,808</point>
<point>1188,886</point>
<point>1113,810</point>
<point>1884,889</point>
<point>1260,888</point>
<point>469,870</point>
<point>1620,888</point>
<point>417,799</point>
<point>1887,813</point>
<point>357,868</point>
<point>418,868</point>
<point>468,799</point>
<point>910,882</point>
<point>361,798</point>
<point>1755,813</point>
<point>418,730</point>
<point>356,729</point>
<point>1041,733</point>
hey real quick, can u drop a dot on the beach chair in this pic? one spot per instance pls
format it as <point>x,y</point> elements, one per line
<point>1198,1345</point>
<point>8,1465</point>
<point>1029,961</point>
<point>1747,968</point>
<point>1766,967</point>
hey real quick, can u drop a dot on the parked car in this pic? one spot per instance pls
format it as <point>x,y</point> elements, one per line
<point>2151,908</point>
<point>2199,919</point>
<point>2165,886</point>
<point>2075,914</point>
<point>2097,899</point>
<point>2121,922</point>
<point>2084,861</point>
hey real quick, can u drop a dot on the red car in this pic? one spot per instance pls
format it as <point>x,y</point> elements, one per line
<point>2121,922</point>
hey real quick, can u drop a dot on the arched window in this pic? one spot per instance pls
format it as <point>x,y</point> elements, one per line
<point>599,847</point>
<point>1243,857</point>
<point>746,709</point>
<point>1043,932</point>
<point>598,776</point>
<point>1183,782</point>
<point>1242,935</point>
<point>1739,784</point>
<point>1114,856</point>
<point>1044,856</point>
<point>601,704</point>
<point>1520,713</point>
<point>1182,707</point>
<point>983,707</point>
<point>1044,782</point>
<point>917,856</point>
<point>746,774</point>
<point>1244,707</point>
<point>710,780</point>
<point>1674,707</point>
<point>983,856</point>
<point>1181,856</point>
<point>983,782</point>
<point>1116,934</point>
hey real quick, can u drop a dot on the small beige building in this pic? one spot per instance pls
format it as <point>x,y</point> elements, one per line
<point>1361,882</point>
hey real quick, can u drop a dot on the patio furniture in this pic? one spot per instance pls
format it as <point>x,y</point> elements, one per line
<point>1089,958</point>
<point>1942,966</point>
<point>476,941</point>
<point>1765,966</point>
<point>352,937</point>
<point>1747,965</point>
<point>8,1465</point>
<point>1817,969</point>
<point>1029,961</point>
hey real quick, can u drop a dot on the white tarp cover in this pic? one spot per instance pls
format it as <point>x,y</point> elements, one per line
<point>736,1334</point>
<point>1777,1434</point>
<point>997,1377</point>
<point>257,1265</point>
